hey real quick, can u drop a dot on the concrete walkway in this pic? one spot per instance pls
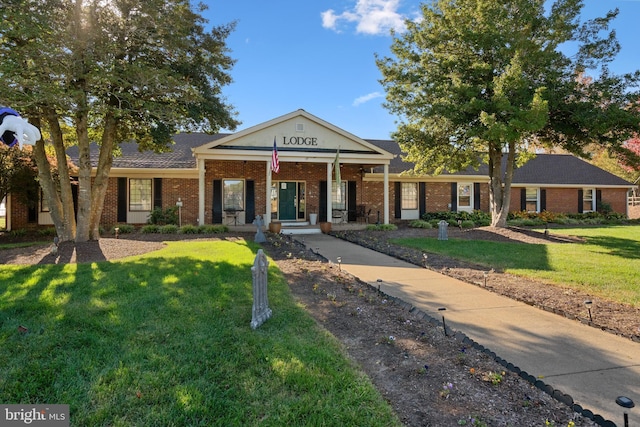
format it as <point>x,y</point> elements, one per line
<point>591,366</point>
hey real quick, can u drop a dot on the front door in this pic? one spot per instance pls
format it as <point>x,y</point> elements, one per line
<point>287,201</point>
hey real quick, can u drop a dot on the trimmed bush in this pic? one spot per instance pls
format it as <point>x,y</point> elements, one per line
<point>166,216</point>
<point>123,229</point>
<point>213,229</point>
<point>150,229</point>
<point>169,229</point>
<point>382,227</point>
<point>189,229</point>
<point>419,223</point>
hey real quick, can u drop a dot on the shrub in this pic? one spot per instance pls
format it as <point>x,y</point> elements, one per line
<point>163,217</point>
<point>49,231</point>
<point>468,224</point>
<point>382,227</point>
<point>213,229</point>
<point>123,229</point>
<point>20,232</point>
<point>189,229</point>
<point>419,223</point>
<point>169,229</point>
<point>150,229</point>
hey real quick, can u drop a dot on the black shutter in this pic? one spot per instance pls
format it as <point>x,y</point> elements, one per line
<point>32,214</point>
<point>397,198</point>
<point>580,196</point>
<point>476,196</point>
<point>217,202</point>
<point>454,197</point>
<point>523,199</point>
<point>543,200</point>
<point>157,193</point>
<point>422,198</point>
<point>351,202</point>
<point>322,204</point>
<point>598,200</point>
<point>122,200</point>
<point>250,203</point>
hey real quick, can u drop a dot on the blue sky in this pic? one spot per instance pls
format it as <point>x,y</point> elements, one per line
<point>319,56</point>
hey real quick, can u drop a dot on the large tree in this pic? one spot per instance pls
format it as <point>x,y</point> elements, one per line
<point>110,71</point>
<point>484,81</point>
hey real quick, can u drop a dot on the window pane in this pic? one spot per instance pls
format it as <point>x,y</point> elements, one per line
<point>233,194</point>
<point>409,198</point>
<point>587,200</point>
<point>140,194</point>
<point>532,200</point>
<point>339,195</point>
<point>464,195</point>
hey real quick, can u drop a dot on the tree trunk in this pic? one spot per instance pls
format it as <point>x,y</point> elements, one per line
<point>500,184</point>
<point>84,176</point>
<point>56,190</point>
<point>102,174</point>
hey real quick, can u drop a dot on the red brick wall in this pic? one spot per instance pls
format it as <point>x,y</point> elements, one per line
<point>565,200</point>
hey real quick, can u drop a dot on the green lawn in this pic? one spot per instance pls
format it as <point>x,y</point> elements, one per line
<point>607,265</point>
<point>164,340</point>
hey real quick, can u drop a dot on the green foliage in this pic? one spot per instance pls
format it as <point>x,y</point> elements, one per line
<point>134,70</point>
<point>612,274</point>
<point>47,231</point>
<point>419,223</point>
<point>138,340</point>
<point>381,227</point>
<point>165,216</point>
<point>189,229</point>
<point>169,229</point>
<point>470,89</point>
<point>150,229</point>
<point>123,229</point>
<point>213,229</point>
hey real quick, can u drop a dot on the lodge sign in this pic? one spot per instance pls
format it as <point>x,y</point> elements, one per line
<point>300,140</point>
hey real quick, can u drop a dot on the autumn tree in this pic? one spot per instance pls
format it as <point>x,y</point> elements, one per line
<point>482,81</point>
<point>110,70</point>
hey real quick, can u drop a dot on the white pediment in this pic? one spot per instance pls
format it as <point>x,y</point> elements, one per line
<point>298,135</point>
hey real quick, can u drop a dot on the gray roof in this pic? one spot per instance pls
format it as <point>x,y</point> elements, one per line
<point>180,156</point>
<point>544,169</point>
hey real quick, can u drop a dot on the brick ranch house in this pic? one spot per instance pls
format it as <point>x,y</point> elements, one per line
<point>228,178</point>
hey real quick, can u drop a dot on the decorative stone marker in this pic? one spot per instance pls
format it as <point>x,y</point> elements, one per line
<point>259,223</point>
<point>442,230</point>
<point>261,311</point>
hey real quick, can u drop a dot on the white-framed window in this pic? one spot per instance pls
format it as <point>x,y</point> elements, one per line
<point>465,197</point>
<point>531,199</point>
<point>588,199</point>
<point>140,194</point>
<point>339,195</point>
<point>233,194</point>
<point>409,195</point>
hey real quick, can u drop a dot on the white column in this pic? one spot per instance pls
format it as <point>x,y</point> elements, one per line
<point>201,190</point>
<point>329,187</point>
<point>386,194</point>
<point>267,191</point>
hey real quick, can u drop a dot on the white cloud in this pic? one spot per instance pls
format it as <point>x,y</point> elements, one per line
<point>366,98</point>
<point>371,16</point>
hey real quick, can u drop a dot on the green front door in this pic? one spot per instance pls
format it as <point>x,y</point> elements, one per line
<point>287,192</point>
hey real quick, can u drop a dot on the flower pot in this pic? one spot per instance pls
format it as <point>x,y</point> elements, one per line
<point>325,227</point>
<point>313,219</point>
<point>275,227</point>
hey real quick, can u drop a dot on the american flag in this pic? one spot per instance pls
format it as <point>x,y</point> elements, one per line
<point>275,163</point>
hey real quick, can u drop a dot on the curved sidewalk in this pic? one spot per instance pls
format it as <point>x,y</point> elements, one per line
<point>591,366</point>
